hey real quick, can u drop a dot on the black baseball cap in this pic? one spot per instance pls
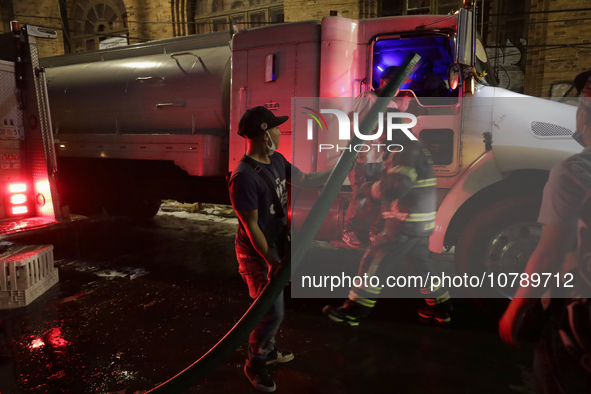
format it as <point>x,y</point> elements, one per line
<point>251,123</point>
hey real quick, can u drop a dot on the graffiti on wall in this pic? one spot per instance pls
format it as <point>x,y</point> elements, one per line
<point>509,64</point>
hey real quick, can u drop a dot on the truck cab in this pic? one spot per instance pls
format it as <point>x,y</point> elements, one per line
<point>492,148</point>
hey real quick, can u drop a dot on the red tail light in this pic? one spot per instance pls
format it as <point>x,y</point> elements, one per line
<point>16,196</point>
<point>18,199</point>
<point>20,210</point>
<point>17,188</point>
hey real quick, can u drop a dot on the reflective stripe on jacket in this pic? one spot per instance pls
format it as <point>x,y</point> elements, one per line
<point>409,187</point>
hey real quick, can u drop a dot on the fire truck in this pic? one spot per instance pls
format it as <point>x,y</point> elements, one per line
<point>159,120</point>
<point>29,200</point>
<point>29,196</point>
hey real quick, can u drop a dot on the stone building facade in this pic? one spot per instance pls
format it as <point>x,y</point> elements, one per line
<point>560,46</point>
<point>526,40</point>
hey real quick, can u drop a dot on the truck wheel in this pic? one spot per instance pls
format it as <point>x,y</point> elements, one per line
<point>145,208</point>
<point>498,240</point>
<point>135,206</point>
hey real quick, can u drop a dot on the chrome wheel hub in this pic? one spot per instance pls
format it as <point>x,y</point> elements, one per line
<point>507,254</point>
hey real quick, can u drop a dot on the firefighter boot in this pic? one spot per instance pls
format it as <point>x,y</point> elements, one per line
<point>350,313</point>
<point>438,312</point>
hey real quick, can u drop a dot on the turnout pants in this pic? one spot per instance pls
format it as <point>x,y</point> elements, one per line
<point>387,253</point>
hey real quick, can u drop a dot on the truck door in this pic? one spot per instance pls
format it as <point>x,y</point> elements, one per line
<point>439,127</point>
<point>435,103</point>
<point>276,89</point>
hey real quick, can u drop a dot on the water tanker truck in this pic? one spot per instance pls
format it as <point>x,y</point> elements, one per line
<point>158,120</point>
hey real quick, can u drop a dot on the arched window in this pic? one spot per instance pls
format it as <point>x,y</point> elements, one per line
<point>96,21</point>
<point>237,4</point>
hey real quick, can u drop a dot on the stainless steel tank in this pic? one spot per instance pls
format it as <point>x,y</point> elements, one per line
<point>174,86</point>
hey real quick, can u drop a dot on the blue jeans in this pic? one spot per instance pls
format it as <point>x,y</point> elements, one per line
<point>262,339</point>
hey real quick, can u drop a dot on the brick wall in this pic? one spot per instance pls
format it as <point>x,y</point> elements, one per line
<point>546,66</point>
<point>149,19</point>
<point>317,9</point>
<point>42,13</point>
<point>447,6</point>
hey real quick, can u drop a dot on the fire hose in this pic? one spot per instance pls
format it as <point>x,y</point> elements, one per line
<point>239,333</point>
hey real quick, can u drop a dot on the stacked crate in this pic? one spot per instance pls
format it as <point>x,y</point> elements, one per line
<point>26,272</point>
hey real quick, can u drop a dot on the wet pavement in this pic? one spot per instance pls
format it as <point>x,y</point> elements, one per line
<point>137,303</point>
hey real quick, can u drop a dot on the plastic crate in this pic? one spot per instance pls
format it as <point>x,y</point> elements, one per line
<point>26,272</point>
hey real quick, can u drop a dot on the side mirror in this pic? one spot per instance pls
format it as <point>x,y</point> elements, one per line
<point>465,38</point>
<point>453,76</point>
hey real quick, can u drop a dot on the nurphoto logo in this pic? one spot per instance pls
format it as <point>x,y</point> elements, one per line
<point>394,121</point>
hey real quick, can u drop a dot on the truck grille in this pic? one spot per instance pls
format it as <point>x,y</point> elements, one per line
<point>542,129</point>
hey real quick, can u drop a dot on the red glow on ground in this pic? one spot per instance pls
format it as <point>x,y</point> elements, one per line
<point>56,339</point>
<point>36,343</point>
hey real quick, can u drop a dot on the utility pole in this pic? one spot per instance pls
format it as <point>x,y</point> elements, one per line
<point>65,25</point>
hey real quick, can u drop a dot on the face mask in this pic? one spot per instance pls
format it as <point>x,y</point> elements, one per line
<point>271,148</point>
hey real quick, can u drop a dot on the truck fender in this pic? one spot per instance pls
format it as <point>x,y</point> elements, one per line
<point>482,173</point>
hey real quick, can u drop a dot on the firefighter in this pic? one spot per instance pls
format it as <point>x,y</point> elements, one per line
<point>407,194</point>
<point>369,164</point>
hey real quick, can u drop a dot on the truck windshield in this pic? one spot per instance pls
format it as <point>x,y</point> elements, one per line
<point>431,77</point>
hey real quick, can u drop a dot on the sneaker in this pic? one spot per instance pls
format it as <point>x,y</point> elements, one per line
<point>278,356</point>
<point>340,315</point>
<point>439,312</point>
<point>351,239</point>
<point>259,378</point>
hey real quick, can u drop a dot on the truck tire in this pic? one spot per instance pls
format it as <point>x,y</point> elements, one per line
<point>498,240</point>
<point>145,207</point>
<point>134,204</point>
<point>149,208</point>
<point>132,196</point>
